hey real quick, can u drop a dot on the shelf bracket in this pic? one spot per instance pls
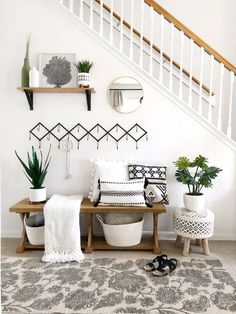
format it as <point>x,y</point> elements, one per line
<point>88,98</point>
<point>29,96</point>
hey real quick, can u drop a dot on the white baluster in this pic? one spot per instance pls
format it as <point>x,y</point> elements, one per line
<point>101,18</point>
<point>132,30</point>
<point>91,14</point>
<point>121,24</point>
<point>219,122</point>
<point>181,64</point>
<point>172,28</point>
<point>111,23</point>
<point>141,35</point>
<point>229,128</point>
<point>161,50</point>
<point>81,10</point>
<point>151,42</point>
<point>211,89</point>
<point>190,97</point>
<point>71,6</point>
<point>200,83</point>
<point>60,1</point>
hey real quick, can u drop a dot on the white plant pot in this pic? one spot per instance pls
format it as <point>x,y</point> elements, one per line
<point>84,79</point>
<point>194,203</point>
<point>37,195</point>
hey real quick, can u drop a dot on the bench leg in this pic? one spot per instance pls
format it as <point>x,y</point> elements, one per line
<point>205,247</point>
<point>89,248</point>
<point>156,248</point>
<point>21,246</point>
<point>186,247</point>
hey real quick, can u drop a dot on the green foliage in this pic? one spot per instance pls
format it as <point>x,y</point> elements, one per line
<point>196,174</point>
<point>83,66</point>
<point>36,170</point>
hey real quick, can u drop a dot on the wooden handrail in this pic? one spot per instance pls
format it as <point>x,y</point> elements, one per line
<point>180,26</point>
<point>137,33</point>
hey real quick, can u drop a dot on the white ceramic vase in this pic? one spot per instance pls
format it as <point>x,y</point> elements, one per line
<point>84,79</point>
<point>37,195</point>
<point>194,203</point>
<point>34,77</point>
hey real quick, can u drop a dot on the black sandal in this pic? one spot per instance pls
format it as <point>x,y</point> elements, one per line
<point>166,267</point>
<point>155,263</point>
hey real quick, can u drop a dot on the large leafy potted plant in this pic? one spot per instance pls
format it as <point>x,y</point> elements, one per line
<point>196,175</point>
<point>36,171</point>
<point>83,67</point>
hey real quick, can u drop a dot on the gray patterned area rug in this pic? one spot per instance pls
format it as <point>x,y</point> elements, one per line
<point>115,286</point>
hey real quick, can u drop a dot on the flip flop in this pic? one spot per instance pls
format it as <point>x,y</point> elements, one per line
<point>151,266</point>
<point>166,267</point>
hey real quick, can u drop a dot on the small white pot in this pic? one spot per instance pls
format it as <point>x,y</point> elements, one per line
<point>37,195</point>
<point>194,203</point>
<point>84,79</point>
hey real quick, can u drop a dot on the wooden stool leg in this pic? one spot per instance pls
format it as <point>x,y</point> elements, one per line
<point>156,248</point>
<point>89,248</point>
<point>186,247</point>
<point>199,242</point>
<point>178,240</point>
<point>205,247</point>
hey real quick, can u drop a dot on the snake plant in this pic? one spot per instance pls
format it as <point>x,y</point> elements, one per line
<point>35,170</point>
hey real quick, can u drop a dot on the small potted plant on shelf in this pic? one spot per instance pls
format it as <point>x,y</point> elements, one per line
<point>195,174</point>
<point>35,172</point>
<point>83,67</point>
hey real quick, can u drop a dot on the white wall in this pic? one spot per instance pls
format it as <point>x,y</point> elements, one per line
<point>171,132</point>
<point>211,20</point>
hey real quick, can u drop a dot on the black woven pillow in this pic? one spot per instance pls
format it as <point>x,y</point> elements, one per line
<point>156,190</point>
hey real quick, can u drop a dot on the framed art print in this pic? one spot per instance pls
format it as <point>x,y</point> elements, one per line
<point>57,70</point>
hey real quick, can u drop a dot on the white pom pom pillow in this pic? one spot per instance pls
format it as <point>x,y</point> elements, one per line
<point>108,170</point>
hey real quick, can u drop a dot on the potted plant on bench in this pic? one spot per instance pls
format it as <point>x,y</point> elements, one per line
<point>36,172</point>
<point>195,174</point>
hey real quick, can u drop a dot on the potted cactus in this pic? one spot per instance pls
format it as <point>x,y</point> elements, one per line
<point>83,67</point>
<point>36,172</point>
<point>196,175</point>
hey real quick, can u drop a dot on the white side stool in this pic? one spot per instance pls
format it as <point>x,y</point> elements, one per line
<point>193,225</point>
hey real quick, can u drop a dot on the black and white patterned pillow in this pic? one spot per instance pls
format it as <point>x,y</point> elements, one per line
<point>156,189</point>
<point>122,193</point>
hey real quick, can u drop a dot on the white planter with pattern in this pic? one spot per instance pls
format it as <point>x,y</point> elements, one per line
<point>84,79</point>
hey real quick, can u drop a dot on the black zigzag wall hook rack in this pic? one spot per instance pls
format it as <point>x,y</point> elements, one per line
<point>79,133</point>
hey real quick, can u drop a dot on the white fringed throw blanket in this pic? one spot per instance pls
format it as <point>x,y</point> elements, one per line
<point>62,229</point>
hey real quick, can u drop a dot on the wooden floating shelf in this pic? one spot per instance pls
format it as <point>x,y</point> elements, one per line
<point>29,91</point>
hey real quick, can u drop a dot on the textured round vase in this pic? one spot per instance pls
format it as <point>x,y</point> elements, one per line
<point>25,73</point>
<point>37,195</point>
<point>194,203</point>
<point>83,79</point>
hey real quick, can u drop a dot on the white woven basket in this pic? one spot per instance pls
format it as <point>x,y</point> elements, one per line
<point>122,235</point>
<point>35,234</point>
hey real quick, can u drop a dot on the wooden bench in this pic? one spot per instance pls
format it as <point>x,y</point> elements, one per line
<point>90,242</point>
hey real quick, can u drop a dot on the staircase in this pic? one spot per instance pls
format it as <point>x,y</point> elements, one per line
<point>168,55</point>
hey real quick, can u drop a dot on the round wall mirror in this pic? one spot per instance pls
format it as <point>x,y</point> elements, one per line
<point>125,94</point>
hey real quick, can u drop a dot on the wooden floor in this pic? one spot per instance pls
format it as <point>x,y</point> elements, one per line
<point>223,250</point>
